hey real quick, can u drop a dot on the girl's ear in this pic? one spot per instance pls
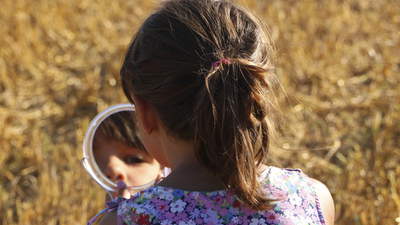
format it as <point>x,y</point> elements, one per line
<point>146,114</point>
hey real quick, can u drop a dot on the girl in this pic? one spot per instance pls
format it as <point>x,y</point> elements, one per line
<point>200,73</point>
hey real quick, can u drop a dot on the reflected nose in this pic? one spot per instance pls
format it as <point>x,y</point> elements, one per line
<point>114,169</point>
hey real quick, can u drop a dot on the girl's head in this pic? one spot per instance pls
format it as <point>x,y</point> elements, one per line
<point>120,154</point>
<point>224,108</point>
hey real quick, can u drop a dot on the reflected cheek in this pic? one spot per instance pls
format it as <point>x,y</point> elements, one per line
<point>143,174</point>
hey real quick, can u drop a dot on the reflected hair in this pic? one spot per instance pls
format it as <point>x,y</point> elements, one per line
<point>226,109</point>
<point>122,126</point>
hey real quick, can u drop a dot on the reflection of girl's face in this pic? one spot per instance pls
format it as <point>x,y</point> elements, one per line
<point>119,161</point>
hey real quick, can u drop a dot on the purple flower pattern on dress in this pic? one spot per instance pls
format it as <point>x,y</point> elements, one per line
<point>295,203</point>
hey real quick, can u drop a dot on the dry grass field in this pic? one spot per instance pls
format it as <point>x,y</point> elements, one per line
<point>339,61</point>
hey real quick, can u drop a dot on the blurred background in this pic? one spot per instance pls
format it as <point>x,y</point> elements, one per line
<point>339,61</point>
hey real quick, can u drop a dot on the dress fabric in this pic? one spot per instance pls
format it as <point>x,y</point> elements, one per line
<point>296,203</point>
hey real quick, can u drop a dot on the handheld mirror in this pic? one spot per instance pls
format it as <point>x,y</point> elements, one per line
<point>112,151</point>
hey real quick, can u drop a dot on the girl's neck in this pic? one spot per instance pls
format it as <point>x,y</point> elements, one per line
<point>189,174</point>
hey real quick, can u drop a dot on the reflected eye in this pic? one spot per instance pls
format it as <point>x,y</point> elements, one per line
<point>133,160</point>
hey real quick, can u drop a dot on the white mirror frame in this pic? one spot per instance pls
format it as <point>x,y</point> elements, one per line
<point>88,161</point>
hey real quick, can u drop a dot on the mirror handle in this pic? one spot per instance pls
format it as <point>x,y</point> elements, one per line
<point>84,166</point>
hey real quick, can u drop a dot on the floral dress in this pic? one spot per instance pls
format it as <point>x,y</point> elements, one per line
<point>296,203</point>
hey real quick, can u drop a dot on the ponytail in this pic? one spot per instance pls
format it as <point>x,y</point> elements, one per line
<point>232,128</point>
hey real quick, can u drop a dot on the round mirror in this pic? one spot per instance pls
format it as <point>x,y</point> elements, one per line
<point>112,151</point>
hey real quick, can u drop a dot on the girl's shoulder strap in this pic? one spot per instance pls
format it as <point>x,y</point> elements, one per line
<point>277,175</point>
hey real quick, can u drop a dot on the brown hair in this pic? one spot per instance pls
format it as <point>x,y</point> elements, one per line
<point>122,126</point>
<point>225,110</point>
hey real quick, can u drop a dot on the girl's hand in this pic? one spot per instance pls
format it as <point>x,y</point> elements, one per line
<point>122,190</point>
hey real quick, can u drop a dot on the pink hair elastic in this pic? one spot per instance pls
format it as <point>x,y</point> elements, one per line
<point>221,61</point>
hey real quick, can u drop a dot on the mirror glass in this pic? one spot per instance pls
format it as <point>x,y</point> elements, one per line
<point>112,151</point>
